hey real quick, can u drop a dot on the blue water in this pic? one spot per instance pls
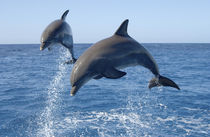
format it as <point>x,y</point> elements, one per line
<point>35,95</point>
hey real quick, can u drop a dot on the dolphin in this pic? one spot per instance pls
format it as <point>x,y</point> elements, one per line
<point>58,32</point>
<point>106,57</point>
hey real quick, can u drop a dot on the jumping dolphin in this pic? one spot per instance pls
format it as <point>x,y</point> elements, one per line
<point>106,57</point>
<point>58,32</point>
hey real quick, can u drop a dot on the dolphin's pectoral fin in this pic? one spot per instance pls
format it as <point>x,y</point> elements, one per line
<point>98,77</point>
<point>113,73</point>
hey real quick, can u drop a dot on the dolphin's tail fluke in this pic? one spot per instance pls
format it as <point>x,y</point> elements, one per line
<point>162,81</point>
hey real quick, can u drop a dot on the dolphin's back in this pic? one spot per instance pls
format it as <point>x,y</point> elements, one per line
<point>113,47</point>
<point>56,27</point>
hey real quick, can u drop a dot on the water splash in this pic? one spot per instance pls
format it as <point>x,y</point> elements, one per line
<point>47,118</point>
<point>128,120</point>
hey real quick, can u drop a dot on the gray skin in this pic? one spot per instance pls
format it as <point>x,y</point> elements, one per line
<point>58,32</point>
<point>106,57</point>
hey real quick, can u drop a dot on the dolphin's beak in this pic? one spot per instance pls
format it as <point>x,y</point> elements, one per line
<point>44,45</point>
<point>74,89</point>
<point>41,48</point>
<point>76,85</point>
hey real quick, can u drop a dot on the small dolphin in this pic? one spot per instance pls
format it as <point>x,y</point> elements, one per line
<point>58,32</point>
<point>106,57</point>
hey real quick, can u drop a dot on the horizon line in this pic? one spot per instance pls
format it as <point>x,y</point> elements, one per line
<point>93,43</point>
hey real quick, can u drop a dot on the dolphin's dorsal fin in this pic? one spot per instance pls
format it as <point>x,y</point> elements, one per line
<point>64,15</point>
<point>122,30</point>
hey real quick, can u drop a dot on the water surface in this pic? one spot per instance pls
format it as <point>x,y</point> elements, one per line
<point>35,95</point>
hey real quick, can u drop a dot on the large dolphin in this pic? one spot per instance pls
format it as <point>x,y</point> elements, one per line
<point>106,57</point>
<point>58,32</point>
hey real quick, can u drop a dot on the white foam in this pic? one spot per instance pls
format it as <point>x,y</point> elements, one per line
<point>127,120</point>
<point>101,120</point>
<point>188,124</point>
<point>172,118</point>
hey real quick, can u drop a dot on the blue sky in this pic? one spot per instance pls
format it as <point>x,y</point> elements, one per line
<point>161,21</point>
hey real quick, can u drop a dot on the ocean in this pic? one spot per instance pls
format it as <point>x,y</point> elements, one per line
<point>35,96</point>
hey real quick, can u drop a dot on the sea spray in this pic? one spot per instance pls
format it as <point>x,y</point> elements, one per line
<point>47,118</point>
<point>127,119</point>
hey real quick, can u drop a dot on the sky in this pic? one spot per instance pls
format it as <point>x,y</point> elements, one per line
<point>150,21</point>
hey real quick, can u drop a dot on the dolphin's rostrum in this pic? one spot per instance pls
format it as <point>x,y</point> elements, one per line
<point>58,32</point>
<point>106,57</point>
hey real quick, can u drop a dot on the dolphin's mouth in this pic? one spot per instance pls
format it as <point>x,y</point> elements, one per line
<point>73,90</point>
<point>44,45</point>
<point>41,48</point>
